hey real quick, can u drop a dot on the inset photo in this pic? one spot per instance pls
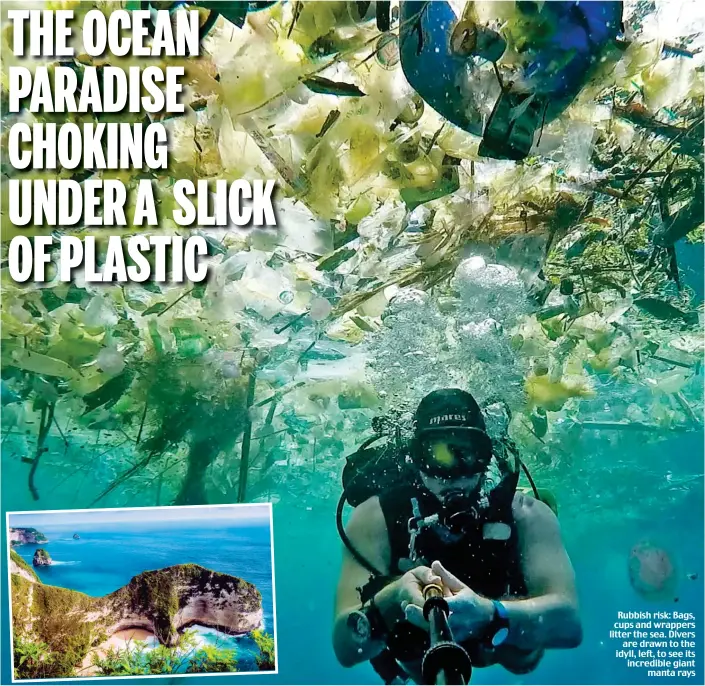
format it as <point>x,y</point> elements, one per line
<point>142,592</point>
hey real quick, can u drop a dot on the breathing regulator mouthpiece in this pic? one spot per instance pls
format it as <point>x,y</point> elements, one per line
<point>460,512</point>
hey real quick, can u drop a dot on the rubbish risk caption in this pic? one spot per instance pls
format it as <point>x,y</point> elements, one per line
<point>662,644</point>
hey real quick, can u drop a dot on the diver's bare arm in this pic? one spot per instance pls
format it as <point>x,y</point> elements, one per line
<point>549,618</point>
<point>513,659</point>
<point>367,532</point>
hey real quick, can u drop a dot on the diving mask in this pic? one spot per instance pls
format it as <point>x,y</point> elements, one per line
<point>453,454</point>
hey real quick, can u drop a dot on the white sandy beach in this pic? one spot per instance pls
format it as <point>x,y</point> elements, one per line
<point>120,640</point>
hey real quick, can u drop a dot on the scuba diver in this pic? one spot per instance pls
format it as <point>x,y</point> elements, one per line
<point>445,511</point>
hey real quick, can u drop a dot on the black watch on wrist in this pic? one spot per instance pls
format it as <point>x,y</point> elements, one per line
<point>498,628</point>
<point>367,623</point>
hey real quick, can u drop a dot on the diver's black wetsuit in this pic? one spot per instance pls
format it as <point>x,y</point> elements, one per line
<point>490,567</point>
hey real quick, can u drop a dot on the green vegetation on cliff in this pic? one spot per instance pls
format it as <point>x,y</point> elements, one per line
<point>212,659</point>
<point>183,658</point>
<point>186,657</point>
<point>49,631</point>
<point>265,643</point>
<point>19,561</point>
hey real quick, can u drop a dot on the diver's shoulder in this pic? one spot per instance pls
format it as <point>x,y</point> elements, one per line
<point>368,515</point>
<point>370,507</point>
<point>527,509</point>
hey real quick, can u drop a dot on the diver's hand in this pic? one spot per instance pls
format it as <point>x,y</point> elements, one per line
<point>406,591</point>
<point>470,613</point>
<point>410,585</point>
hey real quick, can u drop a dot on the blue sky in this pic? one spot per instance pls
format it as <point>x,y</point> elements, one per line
<point>231,514</point>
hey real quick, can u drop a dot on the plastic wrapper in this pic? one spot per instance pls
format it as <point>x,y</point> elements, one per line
<point>111,361</point>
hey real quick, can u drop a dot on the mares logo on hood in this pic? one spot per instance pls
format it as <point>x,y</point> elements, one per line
<point>450,419</point>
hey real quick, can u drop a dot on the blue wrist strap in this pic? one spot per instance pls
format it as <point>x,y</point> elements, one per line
<point>499,625</point>
<point>501,610</point>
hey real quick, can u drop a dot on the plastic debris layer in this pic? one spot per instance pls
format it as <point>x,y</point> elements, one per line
<point>404,260</point>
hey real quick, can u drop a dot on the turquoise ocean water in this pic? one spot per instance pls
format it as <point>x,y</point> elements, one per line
<point>597,521</point>
<point>107,556</point>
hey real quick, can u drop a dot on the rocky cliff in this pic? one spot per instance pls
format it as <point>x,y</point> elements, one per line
<point>20,567</point>
<point>23,535</point>
<point>163,601</point>
<point>41,558</point>
<point>168,600</point>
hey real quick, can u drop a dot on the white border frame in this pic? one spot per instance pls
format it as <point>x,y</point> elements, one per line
<point>90,679</point>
